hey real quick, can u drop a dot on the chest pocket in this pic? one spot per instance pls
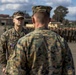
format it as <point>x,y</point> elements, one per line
<point>12,41</point>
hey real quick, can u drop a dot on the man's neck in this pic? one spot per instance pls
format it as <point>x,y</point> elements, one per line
<point>17,28</point>
<point>41,25</point>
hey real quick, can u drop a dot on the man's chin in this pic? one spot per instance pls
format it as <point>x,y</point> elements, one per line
<point>19,25</point>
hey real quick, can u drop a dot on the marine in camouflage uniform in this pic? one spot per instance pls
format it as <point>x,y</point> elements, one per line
<point>9,39</point>
<point>41,52</point>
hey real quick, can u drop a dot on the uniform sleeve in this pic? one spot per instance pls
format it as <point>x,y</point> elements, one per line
<point>16,63</point>
<point>68,63</point>
<point>3,60</point>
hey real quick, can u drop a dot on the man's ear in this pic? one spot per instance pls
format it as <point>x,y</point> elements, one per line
<point>13,19</point>
<point>33,20</point>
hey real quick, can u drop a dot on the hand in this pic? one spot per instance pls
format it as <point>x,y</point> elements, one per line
<point>4,70</point>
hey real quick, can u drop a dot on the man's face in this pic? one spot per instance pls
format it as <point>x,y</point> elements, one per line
<point>18,21</point>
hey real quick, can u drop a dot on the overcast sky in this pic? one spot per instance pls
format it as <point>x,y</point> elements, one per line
<point>10,6</point>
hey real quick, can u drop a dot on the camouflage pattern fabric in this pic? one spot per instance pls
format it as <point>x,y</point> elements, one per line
<point>8,41</point>
<point>41,9</point>
<point>41,52</point>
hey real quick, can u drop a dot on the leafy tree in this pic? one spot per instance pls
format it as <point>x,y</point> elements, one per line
<point>66,22</point>
<point>75,22</point>
<point>59,13</point>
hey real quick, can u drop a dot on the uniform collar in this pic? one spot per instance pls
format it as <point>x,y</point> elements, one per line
<point>15,33</point>
<point>41,28</point>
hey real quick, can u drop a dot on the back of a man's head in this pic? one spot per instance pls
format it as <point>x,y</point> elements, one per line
<point>42,13</point>
<point>41,17</point>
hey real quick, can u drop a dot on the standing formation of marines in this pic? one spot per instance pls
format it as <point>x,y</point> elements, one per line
<point>40,52</point>
<point>69,34</point>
